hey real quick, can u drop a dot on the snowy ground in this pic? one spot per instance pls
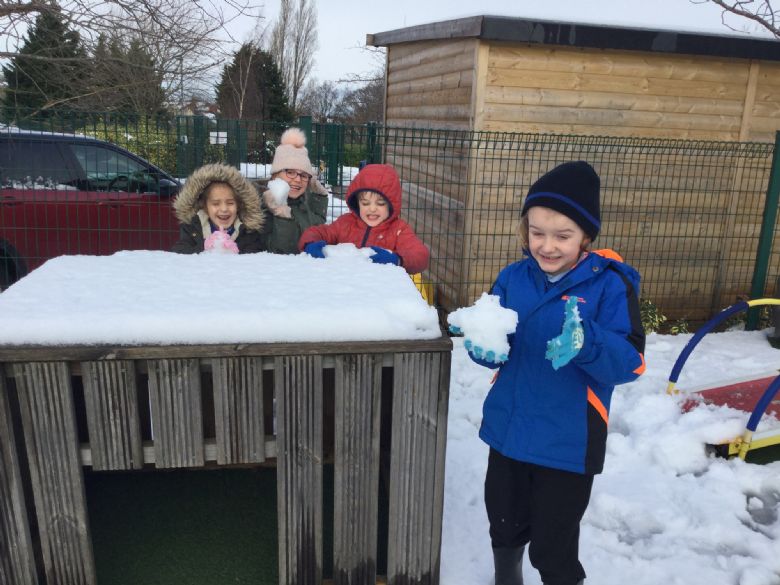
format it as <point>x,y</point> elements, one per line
<point>663,512</point>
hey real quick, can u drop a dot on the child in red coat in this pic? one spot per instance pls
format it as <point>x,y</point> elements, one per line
<point>374,200</point>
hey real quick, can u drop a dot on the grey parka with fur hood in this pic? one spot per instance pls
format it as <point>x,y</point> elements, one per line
<point>189,209</point>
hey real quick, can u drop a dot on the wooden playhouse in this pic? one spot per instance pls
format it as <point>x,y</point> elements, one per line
<point>501,79</point>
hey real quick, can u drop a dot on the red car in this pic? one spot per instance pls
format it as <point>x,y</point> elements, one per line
<point>69,194</point>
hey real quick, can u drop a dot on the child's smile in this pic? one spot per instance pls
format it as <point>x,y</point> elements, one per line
<point>221,205</point>
<point>373,208</point>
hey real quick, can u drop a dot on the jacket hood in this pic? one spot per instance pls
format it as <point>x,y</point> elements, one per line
<point>610,258</point>
<point>379,178</point>
<point>188,201</point>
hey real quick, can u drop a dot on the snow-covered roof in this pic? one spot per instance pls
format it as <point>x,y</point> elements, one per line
<point>150,298</point>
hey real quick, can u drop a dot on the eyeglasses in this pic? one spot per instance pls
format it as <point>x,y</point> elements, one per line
<point>291,174</point>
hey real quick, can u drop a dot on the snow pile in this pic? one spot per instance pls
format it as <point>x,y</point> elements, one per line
<point>485,326</point>
<point>663,511</point>
<point>347,250</point>
<point>163,298</point>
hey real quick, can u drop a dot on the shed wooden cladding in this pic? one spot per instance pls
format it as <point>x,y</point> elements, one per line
<point>517,75</point>
<point>41,382</point>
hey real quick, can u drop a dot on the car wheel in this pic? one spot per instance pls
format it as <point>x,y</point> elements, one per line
<point>12,268</point>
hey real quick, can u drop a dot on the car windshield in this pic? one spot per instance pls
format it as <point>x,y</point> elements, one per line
<point>102,164</point>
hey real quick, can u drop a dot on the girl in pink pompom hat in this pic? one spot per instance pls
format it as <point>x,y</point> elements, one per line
<point>295,199</point>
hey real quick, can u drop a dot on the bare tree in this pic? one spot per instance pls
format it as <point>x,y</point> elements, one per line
<point>758,11</point>
<point>188,38</point>
<point>363,104</point>
<point>279,35</point>
<point>321,101</point>
<point>294,41</point>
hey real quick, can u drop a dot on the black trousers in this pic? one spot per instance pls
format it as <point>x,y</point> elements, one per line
<point>541,507</point>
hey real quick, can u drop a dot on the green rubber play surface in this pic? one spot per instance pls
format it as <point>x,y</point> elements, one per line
<point>184,527</point>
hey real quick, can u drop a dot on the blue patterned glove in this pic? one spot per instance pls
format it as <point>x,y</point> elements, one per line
<point>314,249</point>
<point>383,256</point>
<point>562,349</point>
<point>484,356</point>
<point>455,330</point>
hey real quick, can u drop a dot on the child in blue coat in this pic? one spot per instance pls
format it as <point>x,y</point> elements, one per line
<point>545,418</point>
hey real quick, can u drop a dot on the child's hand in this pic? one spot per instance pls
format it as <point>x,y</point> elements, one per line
<point>382,256</point>
<point>562,349</point>
<point>315,249</point>
<point>279,190</point>
<point>219,241</point>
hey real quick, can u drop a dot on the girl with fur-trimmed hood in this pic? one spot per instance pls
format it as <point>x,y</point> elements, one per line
<point>219,209</point>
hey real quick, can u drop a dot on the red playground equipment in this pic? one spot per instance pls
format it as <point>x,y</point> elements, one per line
<point>756,394</point>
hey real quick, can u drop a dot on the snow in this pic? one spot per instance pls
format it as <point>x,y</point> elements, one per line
<point>485,326</point>
<point>145,297</point>
<point>662,512</point>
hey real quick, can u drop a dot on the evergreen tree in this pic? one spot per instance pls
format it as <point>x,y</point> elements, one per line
<point>251,87</point>
<point>48,70</point>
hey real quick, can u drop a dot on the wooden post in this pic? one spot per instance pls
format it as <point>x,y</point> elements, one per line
<point>298,391</point>
<point>238,410</point>
<point>111,400</point>
<point>49,421</point>
<point>420,394</point>
<point>356,474</point>
<point>16,553</point>
<point>177,418</point>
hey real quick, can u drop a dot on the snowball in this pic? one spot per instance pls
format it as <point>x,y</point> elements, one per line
<point>486,323</point>
<point>346,250</point>
<point>279,190</point>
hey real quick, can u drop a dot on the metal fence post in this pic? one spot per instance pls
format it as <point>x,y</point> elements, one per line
<point>304,123</point>
<point>333,152</point>
<point>372,144</point>
<point>766,237</point>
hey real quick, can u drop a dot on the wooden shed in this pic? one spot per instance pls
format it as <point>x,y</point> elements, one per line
<point>517,75</point>
<point>505,81</point>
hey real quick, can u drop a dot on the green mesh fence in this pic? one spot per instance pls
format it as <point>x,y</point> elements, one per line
<point>687,214</point>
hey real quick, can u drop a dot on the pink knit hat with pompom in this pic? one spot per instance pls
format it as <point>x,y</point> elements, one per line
<point>291,152</point>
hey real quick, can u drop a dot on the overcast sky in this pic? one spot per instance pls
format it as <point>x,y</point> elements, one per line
<point>343,24</point>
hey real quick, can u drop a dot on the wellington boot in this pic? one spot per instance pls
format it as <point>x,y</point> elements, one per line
<point>509,565</point>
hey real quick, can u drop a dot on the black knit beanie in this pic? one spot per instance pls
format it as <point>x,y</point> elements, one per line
<point>571,189</point>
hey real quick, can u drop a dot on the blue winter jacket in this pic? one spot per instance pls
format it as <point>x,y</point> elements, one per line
<point>559,418</point>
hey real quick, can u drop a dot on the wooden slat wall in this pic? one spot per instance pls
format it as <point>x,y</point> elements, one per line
<point>356,473</point>
<point>111,401</point>
<point>624,93</point>
<point>16,557</point>
<point>48,419</point>
<point>430,84</point>
<point>299,468</point>
<point>177,418</point>
<point>238,410</point>
<point>417,458</point>
<point>765,115</point>
<point>49,423</point>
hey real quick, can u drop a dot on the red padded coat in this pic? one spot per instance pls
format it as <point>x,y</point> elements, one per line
<point>393,234</point>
